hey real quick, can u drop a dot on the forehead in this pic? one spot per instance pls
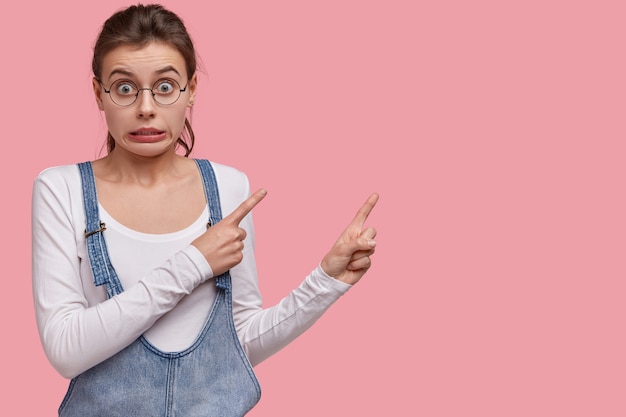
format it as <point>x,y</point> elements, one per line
<point>144,61</point>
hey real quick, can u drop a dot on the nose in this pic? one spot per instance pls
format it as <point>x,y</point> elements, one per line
<point>146,106</point>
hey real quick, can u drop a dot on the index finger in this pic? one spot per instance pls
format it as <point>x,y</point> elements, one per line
<point>364,211</point>
<point>246,207</point>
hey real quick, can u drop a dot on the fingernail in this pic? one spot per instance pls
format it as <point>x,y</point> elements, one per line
<point>371,243</point>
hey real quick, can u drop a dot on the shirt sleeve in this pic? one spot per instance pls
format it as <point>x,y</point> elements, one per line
<point>266,331</point>
<point>76,336</point>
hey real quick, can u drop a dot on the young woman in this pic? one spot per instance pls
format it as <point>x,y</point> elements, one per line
<point>164,318</point>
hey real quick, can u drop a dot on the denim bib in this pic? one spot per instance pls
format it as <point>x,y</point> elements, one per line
<point>212,377</point>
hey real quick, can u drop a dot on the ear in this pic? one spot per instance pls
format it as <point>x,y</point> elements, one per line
<point>97,91</point>
<point>192,85</point>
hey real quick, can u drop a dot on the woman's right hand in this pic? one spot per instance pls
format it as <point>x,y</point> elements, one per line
<point>222,243</point>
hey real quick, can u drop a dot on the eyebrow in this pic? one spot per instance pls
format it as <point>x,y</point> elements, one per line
<point>128,73</point>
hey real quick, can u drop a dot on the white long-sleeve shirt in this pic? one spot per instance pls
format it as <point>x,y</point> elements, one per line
<point>168,286</point>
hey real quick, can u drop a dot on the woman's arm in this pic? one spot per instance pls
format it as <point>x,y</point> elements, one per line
<point>76,336</point>
<point>264,332</point>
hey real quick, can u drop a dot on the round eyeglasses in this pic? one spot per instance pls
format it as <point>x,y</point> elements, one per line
<point>165,91</point>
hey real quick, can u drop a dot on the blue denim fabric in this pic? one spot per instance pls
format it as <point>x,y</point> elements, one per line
<point>213,377</point>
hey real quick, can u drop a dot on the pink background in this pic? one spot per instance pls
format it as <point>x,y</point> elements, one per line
<point>494,133</point>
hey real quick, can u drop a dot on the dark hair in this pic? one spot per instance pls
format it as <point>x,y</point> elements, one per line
<point>139,25</point>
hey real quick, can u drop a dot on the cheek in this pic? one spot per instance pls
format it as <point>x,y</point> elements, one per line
<point>113,118</point>
<point>178,118</point>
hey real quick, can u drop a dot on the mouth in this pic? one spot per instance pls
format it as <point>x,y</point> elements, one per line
<point>147,135</point>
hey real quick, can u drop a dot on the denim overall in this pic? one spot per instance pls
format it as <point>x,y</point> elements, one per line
<point>212,377</point>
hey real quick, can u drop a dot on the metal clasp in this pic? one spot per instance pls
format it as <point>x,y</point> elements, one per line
<point>102,228</point>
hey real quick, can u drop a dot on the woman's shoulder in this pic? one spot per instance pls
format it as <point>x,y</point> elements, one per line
<point>233,183</point>
<point>229,176</point>
<point>59,174</point>
<point>59,186</point>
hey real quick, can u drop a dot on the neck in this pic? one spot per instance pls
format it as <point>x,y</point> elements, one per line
<point>120,166</point>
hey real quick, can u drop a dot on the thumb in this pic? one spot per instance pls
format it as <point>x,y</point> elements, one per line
<point>369,233</point>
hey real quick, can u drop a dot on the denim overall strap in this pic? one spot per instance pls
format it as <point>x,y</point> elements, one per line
<point>103,271</point>
<point>215,209</point>
<point>224,281</point>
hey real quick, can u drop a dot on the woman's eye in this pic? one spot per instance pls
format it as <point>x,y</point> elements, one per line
<point>125,88</point>
<point>164,87</point>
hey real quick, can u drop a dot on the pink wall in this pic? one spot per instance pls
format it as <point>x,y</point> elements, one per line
<point>494,132</point>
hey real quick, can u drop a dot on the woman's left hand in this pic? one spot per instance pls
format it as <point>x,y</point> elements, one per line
<point>350,257</point>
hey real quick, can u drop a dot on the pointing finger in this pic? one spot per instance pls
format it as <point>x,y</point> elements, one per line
<point>364,211</point>
<point>246,207</point>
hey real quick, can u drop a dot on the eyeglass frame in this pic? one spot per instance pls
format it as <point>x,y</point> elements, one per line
<point>139,90</point>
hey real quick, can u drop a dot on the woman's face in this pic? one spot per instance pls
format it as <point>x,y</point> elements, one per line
<point>145,127</point>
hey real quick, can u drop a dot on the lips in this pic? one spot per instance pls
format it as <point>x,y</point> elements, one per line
<point>147,134</point>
